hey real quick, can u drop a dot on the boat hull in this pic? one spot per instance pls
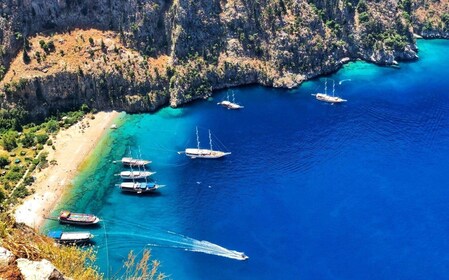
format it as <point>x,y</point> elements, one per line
<point>329,99</point>
<point>230,105</point>
<point>134,175</point>
<point>134,162</point>
<point>80,219</point>
<point>205,153</point>
<point>71,237</point>
<point>79,223</point>
<point>138,187</point>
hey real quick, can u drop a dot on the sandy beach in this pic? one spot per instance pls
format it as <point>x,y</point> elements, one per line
<point>73,146</point>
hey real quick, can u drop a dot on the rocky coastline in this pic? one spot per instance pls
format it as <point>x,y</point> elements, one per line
<point>173,52</point>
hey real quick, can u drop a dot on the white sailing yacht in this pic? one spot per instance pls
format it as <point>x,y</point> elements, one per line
<point>327,98</point>
<point>225,103</point>
<point>230,105</point>
<point>132,174</point>
<point>204,153</point>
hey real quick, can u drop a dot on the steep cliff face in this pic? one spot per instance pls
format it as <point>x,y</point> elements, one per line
<point>208,45</point>
<point>430,18</point>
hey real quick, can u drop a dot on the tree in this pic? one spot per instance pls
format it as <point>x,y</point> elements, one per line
<point>26,57</point>
<point>28,140</point>
<point>52,126</point>
<point>4,161</point>
<point>9,140</point>
<point>42,138</point>
<point>85,108</point>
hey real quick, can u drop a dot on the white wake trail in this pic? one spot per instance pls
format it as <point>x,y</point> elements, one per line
<point>179,241</point>
<point>342,81</point>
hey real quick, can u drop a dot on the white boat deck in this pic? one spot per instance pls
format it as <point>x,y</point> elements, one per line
<point>75,236</point>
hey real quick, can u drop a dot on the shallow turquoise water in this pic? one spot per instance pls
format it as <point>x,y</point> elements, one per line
<point>311,190</point>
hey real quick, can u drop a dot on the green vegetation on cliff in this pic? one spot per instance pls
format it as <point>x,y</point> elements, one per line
<point>170,52</point>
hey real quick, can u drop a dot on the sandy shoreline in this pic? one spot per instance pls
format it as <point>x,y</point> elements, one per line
<point>73,146</point>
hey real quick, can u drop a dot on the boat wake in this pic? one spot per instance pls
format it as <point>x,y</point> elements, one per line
<point>179,241</point>
<point>342,81</point>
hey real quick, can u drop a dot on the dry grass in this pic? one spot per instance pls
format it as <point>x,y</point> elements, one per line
<point>90,51</point>
<point>73,262</point>
<point>24,242</point>
<point>142,269</point>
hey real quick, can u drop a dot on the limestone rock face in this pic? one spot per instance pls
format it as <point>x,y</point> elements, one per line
<point>38,270</point>
<point>209,45</point>
<point>6,258</point>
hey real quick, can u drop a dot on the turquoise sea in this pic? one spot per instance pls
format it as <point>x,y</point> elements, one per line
<point>310,191</point>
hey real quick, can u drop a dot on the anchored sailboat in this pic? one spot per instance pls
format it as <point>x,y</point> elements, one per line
<point>133,162</point>
<point>204,153</point>
<point>131,174</point>
<point>230,105</point>
<point>327,98</point>
<point>134,186</point>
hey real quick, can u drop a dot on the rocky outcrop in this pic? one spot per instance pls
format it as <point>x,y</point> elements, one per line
<point>430,19</point>
<point>42,270</point>
<point>6,258</point>
<point>209,45</point>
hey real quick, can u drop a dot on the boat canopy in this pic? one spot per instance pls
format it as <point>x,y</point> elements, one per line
<point>55,234</point>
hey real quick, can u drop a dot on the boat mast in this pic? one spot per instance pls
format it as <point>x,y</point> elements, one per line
<point>210,140</point>
<point>197,139</point>
<point>325,86</point>
<point>333,88</point>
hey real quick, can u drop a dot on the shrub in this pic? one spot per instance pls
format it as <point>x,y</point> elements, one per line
<point>42,138</point>
<point>9,140</point>
<point>52,126</point>
<point>364,17</point>
<point>4,161</point>
<point>21,192</point>
<point>28,140</point>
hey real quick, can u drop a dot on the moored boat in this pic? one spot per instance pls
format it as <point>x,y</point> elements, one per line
<point>129,161</point>
<point>230,105</point>
<point>70,237</point>
<point>81,219</point>
<point>134,175</point>
<point>204,153</point>
<point>138,187</point>
<point>329,98</point>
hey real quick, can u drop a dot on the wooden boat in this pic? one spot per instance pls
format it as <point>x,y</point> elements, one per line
<point>129,161</point>
<point>329,98</point>
<point>230,105</point>
<point>134,175</point>
<point>70,237</point>
<point>139,187</point>
<point>204,153</point>
<point>67,217</point>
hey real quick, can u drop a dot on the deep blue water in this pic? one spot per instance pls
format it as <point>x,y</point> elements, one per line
<point>311,190</point>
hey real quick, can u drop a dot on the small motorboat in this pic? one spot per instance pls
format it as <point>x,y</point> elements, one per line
<point>70,237</point>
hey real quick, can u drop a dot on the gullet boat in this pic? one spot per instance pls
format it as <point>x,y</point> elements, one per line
<point>134,175</point>
<point>129,161</point>
<point>328,98</point>
<point>139,187</point>
<point>67,217</point>
<point>204,153</point>
<point>230,105</point>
